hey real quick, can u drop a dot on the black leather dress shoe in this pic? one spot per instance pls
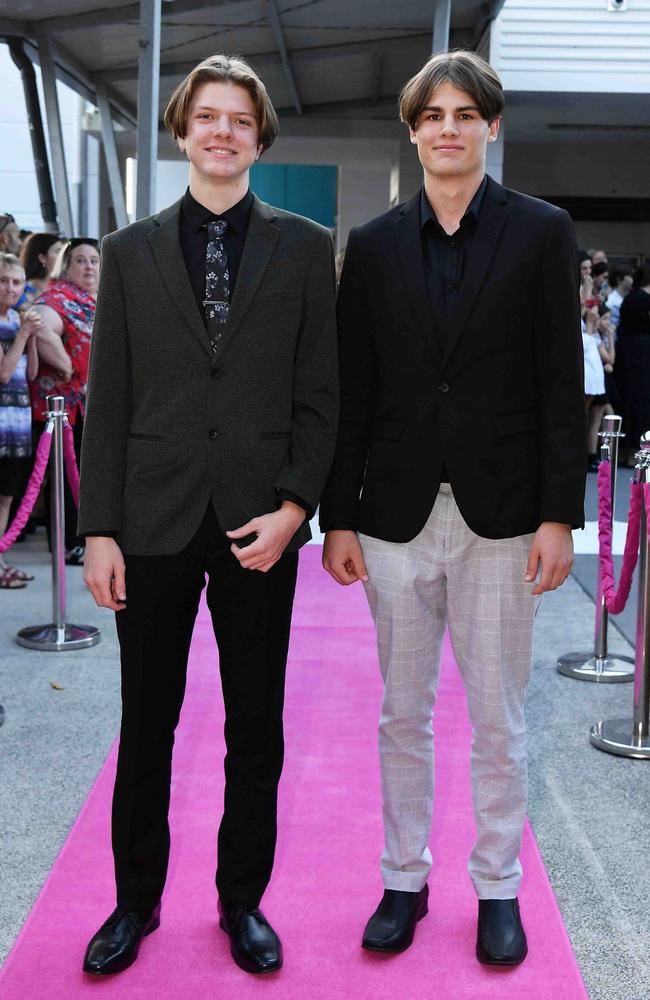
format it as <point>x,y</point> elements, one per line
<point>501,939</point>
<point>254,945</point>
<point>392,925</point>
<point>116,944</point>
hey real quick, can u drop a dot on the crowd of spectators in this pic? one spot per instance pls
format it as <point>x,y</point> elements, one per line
<point>615,306</point>
<point>48,288</point>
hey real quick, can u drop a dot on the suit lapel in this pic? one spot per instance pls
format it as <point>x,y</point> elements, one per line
<point>409,251</point>
<point>491,220</point>
<point>260,242</point>
<point>166,247</point>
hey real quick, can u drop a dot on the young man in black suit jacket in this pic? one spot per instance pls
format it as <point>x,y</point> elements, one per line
<point>458,475</point>
<point>210,428</point>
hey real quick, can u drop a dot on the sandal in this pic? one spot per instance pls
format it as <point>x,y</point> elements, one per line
<point>9,581</point>
<point>21,575</point>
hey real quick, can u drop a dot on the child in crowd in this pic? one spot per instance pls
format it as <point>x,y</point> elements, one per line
<point>599,356</point>
<point>18,364</point>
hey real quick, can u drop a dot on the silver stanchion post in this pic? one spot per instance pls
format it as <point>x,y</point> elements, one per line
<point>600,665</point>
<point>631,737</point>
<point>58,634</point>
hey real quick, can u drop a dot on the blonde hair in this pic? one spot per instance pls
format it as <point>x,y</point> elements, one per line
<point>462,68</point>
<point>223,69</point>
<point>10,260</point>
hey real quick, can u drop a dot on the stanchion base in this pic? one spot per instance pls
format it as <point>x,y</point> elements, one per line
<point>618,736</point>
<point>50,637</point>
<point>604,670</point>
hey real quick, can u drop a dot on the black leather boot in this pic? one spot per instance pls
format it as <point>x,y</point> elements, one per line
<point>254,945</point>
<point>392,925</point>
<point>116,944</point>
<point>501,939</point>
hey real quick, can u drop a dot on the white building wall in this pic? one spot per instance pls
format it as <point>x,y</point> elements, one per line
<point>572,45</point>
<point>18,185</point>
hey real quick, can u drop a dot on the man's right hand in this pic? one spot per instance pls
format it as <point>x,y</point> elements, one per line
<point>343,558</point>
<point>104,572</point>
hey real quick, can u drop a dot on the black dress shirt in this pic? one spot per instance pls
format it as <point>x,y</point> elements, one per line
<point>194,219</point>
<point>444,257</point>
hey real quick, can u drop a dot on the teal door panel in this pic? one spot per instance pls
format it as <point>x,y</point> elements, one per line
<point>304,189</point>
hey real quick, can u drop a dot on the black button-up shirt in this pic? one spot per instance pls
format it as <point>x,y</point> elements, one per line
<point>444,257</point>
<point>194,219</point>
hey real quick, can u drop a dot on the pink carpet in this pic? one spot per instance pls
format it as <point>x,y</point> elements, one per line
<point>326,881</point>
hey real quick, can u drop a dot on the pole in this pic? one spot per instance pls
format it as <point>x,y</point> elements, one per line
<point>57,634</point>
<point>599,665</point>
<point>55,131</point>
<point>36,132</point>
<point>148,88</point>
<point>625,737</point>
<point>441,26</point>
<point>57,517</point>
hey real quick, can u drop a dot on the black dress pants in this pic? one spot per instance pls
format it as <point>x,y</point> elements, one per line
<point>251,616</point>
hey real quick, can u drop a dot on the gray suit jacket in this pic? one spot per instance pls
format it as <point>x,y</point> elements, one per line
<point>169,425</point>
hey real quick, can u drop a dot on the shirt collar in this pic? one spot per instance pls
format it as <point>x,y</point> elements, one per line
<point>197,215</point>
<point>428,215</point>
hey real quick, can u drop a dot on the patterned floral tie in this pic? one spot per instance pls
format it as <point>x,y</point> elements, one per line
<point>217,283</point>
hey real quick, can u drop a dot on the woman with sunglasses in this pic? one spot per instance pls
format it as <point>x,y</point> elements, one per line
<point>67,307</point>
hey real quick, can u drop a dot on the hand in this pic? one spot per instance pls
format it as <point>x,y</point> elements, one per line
<point>104,573</point>
<point>552,545</point>
<point>274,532</point>
<point>343,558</point>
<point>31,323</point>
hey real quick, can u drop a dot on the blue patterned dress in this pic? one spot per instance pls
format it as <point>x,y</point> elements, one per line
<point>15,417</point>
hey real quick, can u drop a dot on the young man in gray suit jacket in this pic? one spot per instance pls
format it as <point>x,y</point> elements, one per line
<point>210,429</point>
<point>459,472</point>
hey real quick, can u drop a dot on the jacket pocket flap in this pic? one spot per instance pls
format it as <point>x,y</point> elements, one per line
<point>516,423</point>
<point>275,435</point>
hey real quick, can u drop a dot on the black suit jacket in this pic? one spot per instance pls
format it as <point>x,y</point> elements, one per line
<point>503,406</point>
<point>169,426</point>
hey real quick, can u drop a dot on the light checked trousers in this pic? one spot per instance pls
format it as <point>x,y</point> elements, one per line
<point>447,575</point>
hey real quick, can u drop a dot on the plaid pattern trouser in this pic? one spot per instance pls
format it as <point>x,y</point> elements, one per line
<point>447,575</point>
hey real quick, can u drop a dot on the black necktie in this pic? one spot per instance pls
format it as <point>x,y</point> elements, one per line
<point>217,283</point>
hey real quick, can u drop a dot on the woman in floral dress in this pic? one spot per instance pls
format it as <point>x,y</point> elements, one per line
<point>18,364</point>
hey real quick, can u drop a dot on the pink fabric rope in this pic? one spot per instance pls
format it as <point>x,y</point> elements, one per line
<point>70,459</point>
<point>32,491</point>
<point>615,600</point>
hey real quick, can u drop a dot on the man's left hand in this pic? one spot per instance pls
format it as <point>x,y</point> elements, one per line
<point>552,545</point>
<point>274,532</point>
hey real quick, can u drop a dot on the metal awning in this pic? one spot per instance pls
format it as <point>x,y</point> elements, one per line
<point>315,56</point>
<point>318,58</point>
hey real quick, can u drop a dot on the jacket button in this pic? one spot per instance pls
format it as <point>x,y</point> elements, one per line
<point>213,434</point>
<point>444,387</point>
<point>216,373</point>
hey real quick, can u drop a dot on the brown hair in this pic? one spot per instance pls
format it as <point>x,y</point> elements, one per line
<point>465,70</point>
<point>60,269</point>
<point>35,245</point>
<point>223,69</point>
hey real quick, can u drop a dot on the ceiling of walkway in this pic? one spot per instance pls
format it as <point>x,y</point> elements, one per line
<point>345,57</point>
